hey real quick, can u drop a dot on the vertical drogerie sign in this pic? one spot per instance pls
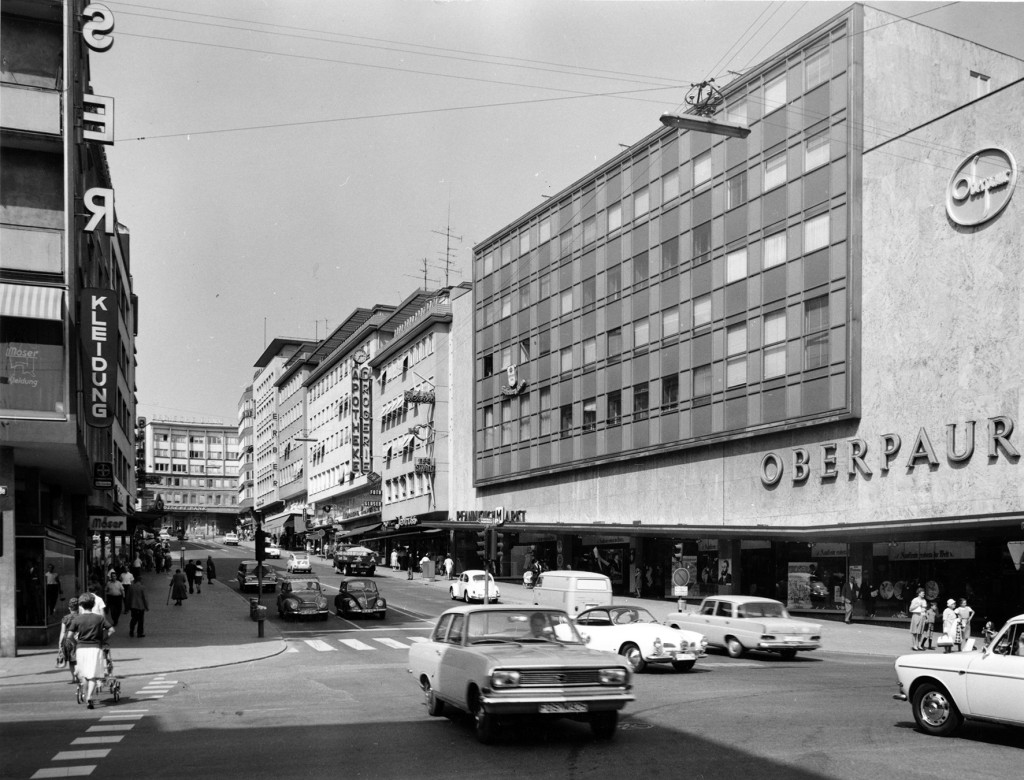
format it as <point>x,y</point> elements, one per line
<point>98,324</point>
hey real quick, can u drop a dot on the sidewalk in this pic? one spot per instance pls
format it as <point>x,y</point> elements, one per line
<point>210,629</point>
<point>837,637</point>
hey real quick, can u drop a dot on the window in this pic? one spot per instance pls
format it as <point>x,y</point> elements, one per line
<point>565,359</point>
<point>702,168</point>
<point>524,417</point>
<point>488,365</point>
<point>736,190</point>
<point>702,310</point>
<point>774,171</point>
<point>982,84</point>
<point>614,342</point>
<point>670,186</point>
<point>669,391</point>
<point>614,278</point>
<point>614,217</point>
<point>670,322</point>
<point>815,152</point>
<point>640,269</point>
<point>506,421</point>
<point>545,230</point>
<point>565,421</point>
<point>641,333</point>
<point>702,243</point>
<point>614,407</point>
<point>524,351</point>
<point>701,381</point>
<point>566,306</point>
<point>545,411</point>
<point>506,358</point>
<point>775,93</point>
<point>670,254</point>
<point>816,333</point>
<point>589,230</point>
<point>589,415</point>
<point>641,202</point>
<point>774,345</point>
<point>775,250</point>
<point>506,305</point>
<point>506,254</point>
<point>524,295</point>
<point>488,427</point>
<point>641,401</point>
<point>545,287</point>
<point>589,291</point>
<point>589,350</point>
<point>816,68</point>
<point>816,233</point>
<point>736,349</point>
<point>737,112</point>
<point>524,242</point>
<point>736,265</point>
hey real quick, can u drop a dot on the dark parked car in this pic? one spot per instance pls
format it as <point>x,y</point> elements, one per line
<point>359,597</point>
<point>355,560</point>
<point>301,597</point>
<point>248,576</point>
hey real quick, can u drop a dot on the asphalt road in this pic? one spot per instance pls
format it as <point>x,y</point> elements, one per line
<point>340,702</point>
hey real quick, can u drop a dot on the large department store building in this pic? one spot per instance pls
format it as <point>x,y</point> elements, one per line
<point>765,364</point>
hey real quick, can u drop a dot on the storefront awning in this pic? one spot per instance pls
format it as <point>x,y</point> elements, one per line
<point>404,534</point>
<point>278,523</point>
<point>31,301</point>
<point>349,533</point>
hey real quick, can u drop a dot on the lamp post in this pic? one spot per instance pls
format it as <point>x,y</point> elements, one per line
<point>706,99</point>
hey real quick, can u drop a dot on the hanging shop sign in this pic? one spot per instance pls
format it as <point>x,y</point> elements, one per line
<point>857,455</point>
<point>931,551</point>
<point>98,321</point>
<point>362,421</point>
<point>108,523</point>
<point>981,186</point>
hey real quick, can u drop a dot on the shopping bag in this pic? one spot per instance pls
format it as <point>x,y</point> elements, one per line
<point>944,641</point>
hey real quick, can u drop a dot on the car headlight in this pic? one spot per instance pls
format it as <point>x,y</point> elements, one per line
<point>615,676</point>
<point>659,648</point>
<point>703,643</point>
<point>321,602</point>
<point>505,678</point>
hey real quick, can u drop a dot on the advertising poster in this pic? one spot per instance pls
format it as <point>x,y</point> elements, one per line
<point>799,585</point>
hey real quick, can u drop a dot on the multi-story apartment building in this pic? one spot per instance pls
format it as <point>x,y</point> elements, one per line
<point>244,473</point>
<point>192,475</point>
<point>728,363</point>
<point>67,317</point>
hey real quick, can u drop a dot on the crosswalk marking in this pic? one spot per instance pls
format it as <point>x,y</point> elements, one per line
<point>355,644</point>
<point>394,643</point>
<point>318,644</point>
<point>121,717</point>
<point>415,639</point>
<point>110,727</point>
<point>81,755</point>
<point>65,771</point>
<point>96,740</point>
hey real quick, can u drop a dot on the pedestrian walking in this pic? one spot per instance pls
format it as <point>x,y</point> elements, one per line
<point>868,594</point>
<point>211,570</point>
<point>849,596</point>
<point>114,597</point>
<point>139,606</point>
<point>929,626</point>
<point>91,633</point>
<point>179,588</point>
<point>949,626</point>
<point>449,567</point>
<point>964,616</point>
<point>918,606</point>
<point>198,571</point>
<point>394,560</point>
<point>54,590</point>
<point>137,567</point>
<point>190,574</point>
<point>66,641</point>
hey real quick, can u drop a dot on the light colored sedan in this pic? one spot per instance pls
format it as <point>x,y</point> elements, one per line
<point>299,562</point>
<point>272,550</point>
<point>635,634</point>
<point>470,587</point>
<point>497,661</point>
<point>945,688</point>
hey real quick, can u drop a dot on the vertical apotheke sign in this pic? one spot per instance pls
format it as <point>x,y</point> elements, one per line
<point>98,323</point>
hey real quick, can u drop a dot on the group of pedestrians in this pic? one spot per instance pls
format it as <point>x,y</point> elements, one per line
<point>956,624</point>
<point>191,581</point>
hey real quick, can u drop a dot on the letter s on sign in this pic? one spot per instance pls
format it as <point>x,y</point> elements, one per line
<point>96,30</point>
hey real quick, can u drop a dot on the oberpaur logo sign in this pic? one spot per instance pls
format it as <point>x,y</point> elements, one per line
<point>981,186</point>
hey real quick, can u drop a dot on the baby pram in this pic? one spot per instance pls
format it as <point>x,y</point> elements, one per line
<point>109,682</point>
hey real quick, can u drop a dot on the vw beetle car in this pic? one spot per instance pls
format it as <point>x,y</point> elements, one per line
<point>945,689</point>
<point>470,586</point>
<point>500,661</point>
<point>359,597</point>
<point>355,560</point>
<point>231,538</point>
<point>741,623</point>
<point>299,561</point>
<point>248,576</point>
<point>635,634</point>
<point>272,550</point>
<point>301,597</point>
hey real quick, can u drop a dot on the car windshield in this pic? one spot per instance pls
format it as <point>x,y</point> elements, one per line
<point>305,585</point>
<point>759,609</point>
<point>626,615</point>
<point>360,585</point>
<point>524,626</point>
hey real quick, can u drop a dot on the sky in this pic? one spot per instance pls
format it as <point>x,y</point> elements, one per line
<point>279,163</point>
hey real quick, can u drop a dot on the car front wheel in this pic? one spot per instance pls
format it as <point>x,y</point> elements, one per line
<point>935,711</point>
<point>435,706</point>
<point>485,723</point>
<point>633,657</point>
<point>603,724</point>
<point>451,592</point>
<point>734,647</point>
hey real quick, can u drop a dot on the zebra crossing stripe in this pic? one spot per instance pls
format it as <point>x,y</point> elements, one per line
<point>416,639</point>
<point>355,644</point>
<point>110,727</point>
<point>81,755</point>
<point>65,771</point>
<point>388,642</point>
<point>318,644</point>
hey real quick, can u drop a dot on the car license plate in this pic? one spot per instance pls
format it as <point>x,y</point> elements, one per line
<point>793,639</point>
<point>308,612</point>
<point>569,706</point>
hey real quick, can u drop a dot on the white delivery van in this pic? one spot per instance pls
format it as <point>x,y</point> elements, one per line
<point>572,591</point>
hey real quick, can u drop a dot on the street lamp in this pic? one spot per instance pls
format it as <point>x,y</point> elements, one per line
<point>703,124</point>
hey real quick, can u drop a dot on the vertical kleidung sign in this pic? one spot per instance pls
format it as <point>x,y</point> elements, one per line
<point>98,323</point>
